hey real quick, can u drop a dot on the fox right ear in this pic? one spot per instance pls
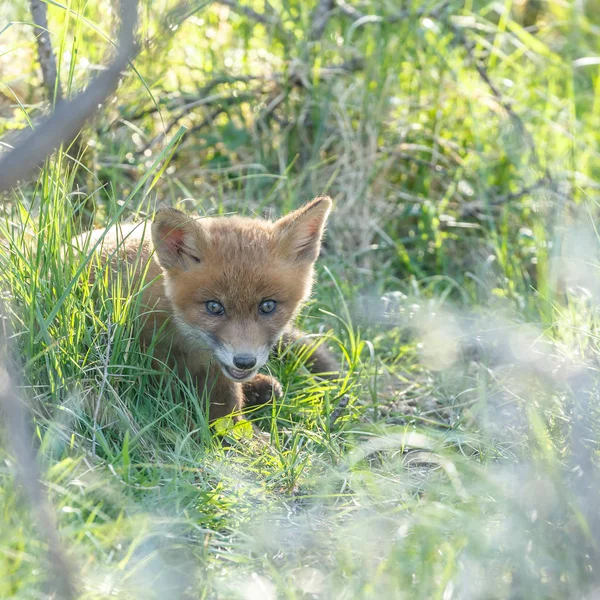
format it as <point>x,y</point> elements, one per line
<point>178,239</point>
<point>299,233</point>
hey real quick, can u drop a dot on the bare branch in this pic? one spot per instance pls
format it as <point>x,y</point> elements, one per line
<point>349,10</point>
<point>176,103</point>
<point>46,56</point>
<point>354,13</point>
<point>319,18</point>
<point>223,101</point>
<point>15,419</point>
<point>543,183</point>
<point>109,339</point>
<point>250,13</point>
<point>209,119</point>
<point>513,116</point>
<point>70,116</point>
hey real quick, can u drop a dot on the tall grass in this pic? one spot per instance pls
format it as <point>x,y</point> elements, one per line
<point>457,284</point>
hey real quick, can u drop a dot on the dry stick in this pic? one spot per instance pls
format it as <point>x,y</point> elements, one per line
<point>540,184</point>
<point>251,13</point>
<point>351,11</point>
<point>70,116</point>
<point>176,105</point>
<point>33,148</point>
<point>46,56</point>
<point>514,117</point>
<point>208,120</point>
<point>202,98</point>
<point>14,418</point>
<point>109,334</point>
<point>348,67</point>
<point>319,19</point>
<point>224,103</point>
<point>534,158</point>
<point>30,151</point>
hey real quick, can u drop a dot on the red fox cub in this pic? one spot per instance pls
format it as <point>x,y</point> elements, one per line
<point>220,293</point>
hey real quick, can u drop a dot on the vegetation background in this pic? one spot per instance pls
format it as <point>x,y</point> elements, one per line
<point>458,455</point>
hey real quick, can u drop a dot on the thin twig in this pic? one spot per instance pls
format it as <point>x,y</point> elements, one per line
<point>46,56</point>
<point>294,78</point>
<point>70,116</point>
<point>319,19</point>
<point>223,104</point>
<point>430,164</point>
<point>103,383</point>
<point>349,10</point>
<point>201,98</point>
<point>513,116</point>
<point>175,105</point>
<point>208,120</point>
<point>15,420</point>
<point>249,12</point>
<point>542,183</point>
<point>357,15</point>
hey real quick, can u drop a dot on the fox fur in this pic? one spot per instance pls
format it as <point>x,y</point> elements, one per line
<point>220,293</point>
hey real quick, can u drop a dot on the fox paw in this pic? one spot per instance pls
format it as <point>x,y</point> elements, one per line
<point>262,389</point>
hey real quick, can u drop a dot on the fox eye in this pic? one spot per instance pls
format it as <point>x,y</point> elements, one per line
<point>215,308</point>
<point>267,307</point>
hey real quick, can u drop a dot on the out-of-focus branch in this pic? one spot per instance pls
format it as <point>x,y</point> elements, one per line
<point>13,416</point>
<point>319,19</point>
<point>349,10</point>
<point>70,116</point>
<point>294,77</point>
<point>46,56</point>
<point>185,101</point>
<point>224,103</point>
<point>252,14</point>
<point>495,91</point>
<point>354,13</point>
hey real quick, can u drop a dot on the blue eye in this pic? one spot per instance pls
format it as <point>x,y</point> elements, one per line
<point>215,308</point>
<point>267,307</point>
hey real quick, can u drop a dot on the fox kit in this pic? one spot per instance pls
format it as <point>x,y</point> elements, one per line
<point>222,291</point>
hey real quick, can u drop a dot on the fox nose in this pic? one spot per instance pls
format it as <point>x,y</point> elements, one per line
<point>244,361</point>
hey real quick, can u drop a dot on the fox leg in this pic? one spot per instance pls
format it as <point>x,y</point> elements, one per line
<point>261,389</point>
<point>320,362</point>
<point>225,396</point>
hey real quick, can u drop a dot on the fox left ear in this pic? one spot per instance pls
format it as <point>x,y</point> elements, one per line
<point>298,235</point>
<point>178,239</point>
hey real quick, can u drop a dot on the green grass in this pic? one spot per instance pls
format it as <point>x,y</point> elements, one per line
<point>458,282</point>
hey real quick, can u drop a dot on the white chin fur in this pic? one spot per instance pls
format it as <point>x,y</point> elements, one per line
<point>231,374</point>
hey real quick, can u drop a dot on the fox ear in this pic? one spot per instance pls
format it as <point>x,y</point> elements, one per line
<point>299,234</point>
<point>178,239</point>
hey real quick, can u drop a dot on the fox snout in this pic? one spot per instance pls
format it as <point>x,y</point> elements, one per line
<point>240,365</point>
<point>244,367</point>
<point>244,361</point>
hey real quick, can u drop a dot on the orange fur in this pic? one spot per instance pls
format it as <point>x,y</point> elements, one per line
<point>237,262</point>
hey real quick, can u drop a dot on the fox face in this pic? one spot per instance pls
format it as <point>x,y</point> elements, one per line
<point>235,283</point>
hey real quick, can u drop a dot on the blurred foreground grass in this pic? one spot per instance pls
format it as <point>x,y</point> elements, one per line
<point>459,279</point>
